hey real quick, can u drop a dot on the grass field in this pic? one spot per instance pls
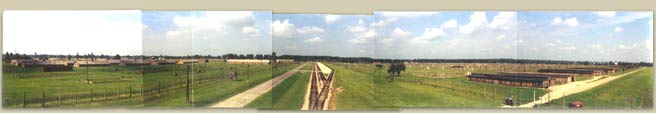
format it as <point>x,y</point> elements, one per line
<point>114,86</point>
<point>210,86</point>
<point>288,95</point>
<point>626,92</point>
<point>353,87</point>
<point>452,91</point>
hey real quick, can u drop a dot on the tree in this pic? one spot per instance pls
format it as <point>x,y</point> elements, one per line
<point>395,68</point>
<point>117,57</point>
<point>390,73</point>
<point>400,68</point>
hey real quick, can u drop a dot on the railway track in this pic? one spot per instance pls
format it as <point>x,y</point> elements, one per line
<point>320,87</point>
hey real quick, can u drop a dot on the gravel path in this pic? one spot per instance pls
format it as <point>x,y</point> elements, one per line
<point>242,99</point>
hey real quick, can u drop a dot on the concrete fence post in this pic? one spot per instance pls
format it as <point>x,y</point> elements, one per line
<point>90,95</point>
<point>24,100</point>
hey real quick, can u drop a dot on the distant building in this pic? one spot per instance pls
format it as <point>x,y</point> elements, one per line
<point>285,61</point>
<point>513,80</point>
<point>81,63</point>
<point>247,61</point>
<point>578,72</point>
<point>559,77</point>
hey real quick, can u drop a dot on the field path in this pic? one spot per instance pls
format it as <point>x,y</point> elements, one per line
<point>240,100</point>
<point>559,91</point>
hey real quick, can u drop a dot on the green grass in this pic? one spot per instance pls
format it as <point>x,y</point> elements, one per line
<point>410,90</point>
<point>214,88</point>
<point>288,95</point>
<point>625,92</point>
<point>354,89</point>
<point>68,84</point>
<point>205,92</point>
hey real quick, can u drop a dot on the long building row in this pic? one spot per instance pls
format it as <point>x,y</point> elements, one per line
<point>66,65</point>
<point>544,78</point>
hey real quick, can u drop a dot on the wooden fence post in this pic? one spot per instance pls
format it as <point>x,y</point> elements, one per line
<point>130,91</point>
<point>24,100</point>
<point>43,98</point>
<point>187,86</point>
<point>60,96</point>
<point>141,91</point>
<point>106,91</point>
<point>563,104</point>
<point>118,89</point>
<point>75,96</point>
<point>90,95</point>
<point>159,87</point>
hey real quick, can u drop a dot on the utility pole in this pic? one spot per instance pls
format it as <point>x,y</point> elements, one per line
<point>187,86</point>
<point>192,89</point>
<point>533,95</point>
<point>87,72</point>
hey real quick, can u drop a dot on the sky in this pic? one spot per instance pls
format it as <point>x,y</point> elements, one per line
<point>586,36</point>
<point>573,36</point>
<point>445,35</point>
<point>323,34</point>
<point>106,32</point>
<point>181,33</point>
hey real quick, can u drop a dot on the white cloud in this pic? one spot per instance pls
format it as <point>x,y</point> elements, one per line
<point>184,34</point>
<point>360,22</point>
<point>310,30</point>
<point>314,40</point>
<point>618,29</point>
<point>217,20</point>
<point>379,23</point>
<point>571,22</point>
<point>364,37</point>
<point>649,44</point>
<point>477,20</point>
<point>356,29</point>
<point>332,18</point>
<point>250,31</point>
<point>502,36</point>
<point>400,33</point>
<point>518,41</point>
<point>596,46</point>
<point>69,32</point>
<point>429,35</point>
<point>631,46</point>
<point>567,48</point>
<point>606,13</point>
<point>283,28</point>
<point>385,42</point>
<point>559,41</point>
<point>556,21</point>
<point>504,20</point>
<point>449,24</point>
<point>383,22</point>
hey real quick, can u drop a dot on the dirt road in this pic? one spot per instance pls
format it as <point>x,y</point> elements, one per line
<point>572,88</point>
<point>242,99</point>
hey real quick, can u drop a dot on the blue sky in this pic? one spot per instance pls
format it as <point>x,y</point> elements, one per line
<point>321,34</point>
<point>576,36</point>
<point>590,36</point>
<point>445,35</point>
<point>214,33</point>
